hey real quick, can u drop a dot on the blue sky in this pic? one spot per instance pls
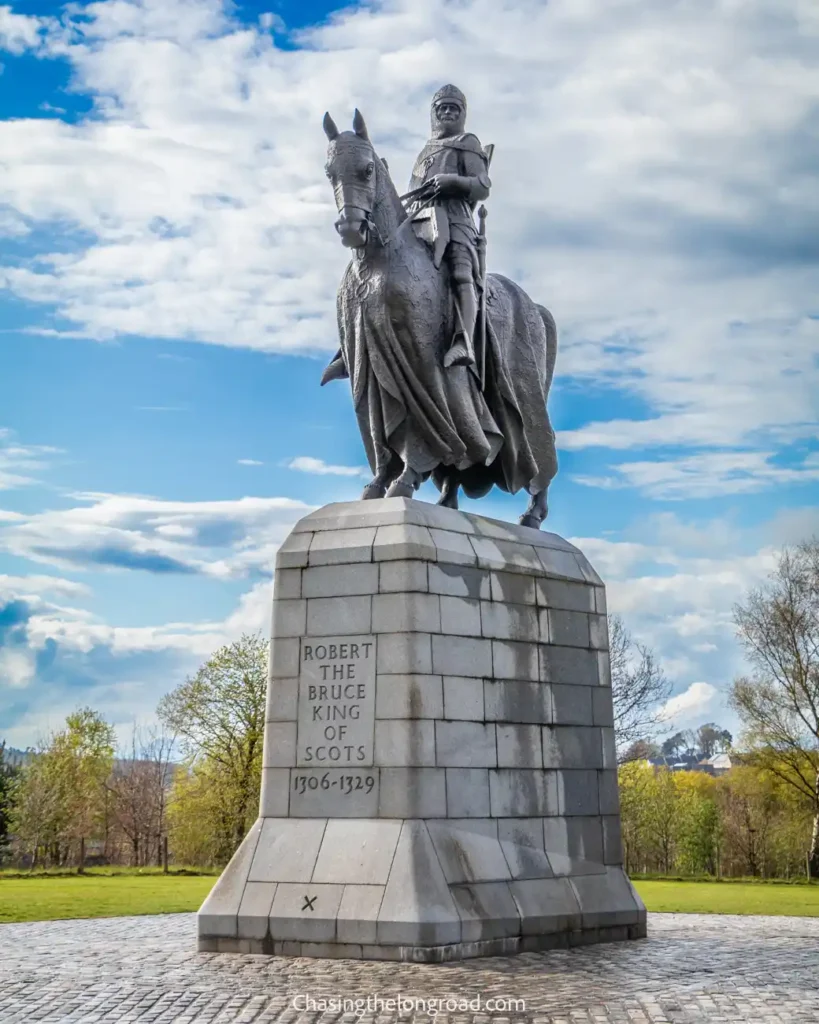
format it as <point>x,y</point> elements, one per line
<point>167,283</point>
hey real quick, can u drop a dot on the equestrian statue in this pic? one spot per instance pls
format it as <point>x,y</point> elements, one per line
<point>450,368</point>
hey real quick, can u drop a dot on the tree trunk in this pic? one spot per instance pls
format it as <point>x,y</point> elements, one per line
<point>165,854</point>
<point>813,855</point>
<point>81,866</point>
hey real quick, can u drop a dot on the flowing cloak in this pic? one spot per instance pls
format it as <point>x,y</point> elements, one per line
<point>390,325</point>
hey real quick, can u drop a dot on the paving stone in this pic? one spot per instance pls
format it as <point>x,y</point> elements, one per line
<point>693,969</point>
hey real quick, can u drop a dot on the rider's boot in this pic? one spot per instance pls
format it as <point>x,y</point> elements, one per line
<point>462,350</point>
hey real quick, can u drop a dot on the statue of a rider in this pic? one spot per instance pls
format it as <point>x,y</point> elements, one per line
<point>451,175</point>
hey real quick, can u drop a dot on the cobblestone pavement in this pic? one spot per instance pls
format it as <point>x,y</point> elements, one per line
<point>693,969</point>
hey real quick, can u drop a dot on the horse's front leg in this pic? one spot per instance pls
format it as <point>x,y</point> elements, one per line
<point>377,487</point>
<point>537,511</point>
<point>406,485</point>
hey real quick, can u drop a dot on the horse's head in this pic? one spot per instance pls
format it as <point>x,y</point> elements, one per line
<point>351,168</point>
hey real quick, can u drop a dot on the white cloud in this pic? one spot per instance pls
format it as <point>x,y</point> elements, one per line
<point>18,462</point>
<point>692,704</point>
<point>654,178</point>
<point>706,475</point>
<point>307,464</point>
<point>16,668</point>
<point>249,462</point>
<point>110,531</point>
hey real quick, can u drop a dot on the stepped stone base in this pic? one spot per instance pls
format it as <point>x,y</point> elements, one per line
<point>439,774</point>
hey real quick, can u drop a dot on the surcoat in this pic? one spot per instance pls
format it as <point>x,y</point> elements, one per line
<point>450,219</point>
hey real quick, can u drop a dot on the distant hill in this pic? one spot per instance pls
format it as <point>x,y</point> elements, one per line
<point>17,758</point>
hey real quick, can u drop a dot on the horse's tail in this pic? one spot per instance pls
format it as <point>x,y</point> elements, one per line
<point>551,343</point>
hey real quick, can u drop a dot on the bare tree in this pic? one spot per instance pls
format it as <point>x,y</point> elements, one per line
<point>639,688</point>
<point>138,789</point>
<point>778,627</point>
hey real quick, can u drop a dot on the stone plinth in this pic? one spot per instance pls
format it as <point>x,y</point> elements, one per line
<point>439,772</point>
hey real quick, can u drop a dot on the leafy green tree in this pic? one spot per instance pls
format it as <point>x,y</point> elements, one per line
<point>218,717</point>
<point>8,787</point>
<point>698,823</point>
<point>778,627</point>
<point>712,739</point>
<point>61,792</point>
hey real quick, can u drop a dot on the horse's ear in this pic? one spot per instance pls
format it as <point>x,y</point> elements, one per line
<point>359,127</point>
<point>330,129</point>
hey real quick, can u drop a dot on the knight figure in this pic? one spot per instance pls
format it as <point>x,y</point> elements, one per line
<point>450,176</point>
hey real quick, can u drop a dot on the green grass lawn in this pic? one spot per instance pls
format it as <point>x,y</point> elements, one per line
<point>666,897</point>
<point>47,898</point>
<point>106,894</point>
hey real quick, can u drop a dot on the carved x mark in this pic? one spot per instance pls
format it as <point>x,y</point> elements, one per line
<point>308,902</point>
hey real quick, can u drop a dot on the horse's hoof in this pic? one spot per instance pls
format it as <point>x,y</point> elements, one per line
<point>529,520</point>
<point>373,490</point>
<point>401,490</point>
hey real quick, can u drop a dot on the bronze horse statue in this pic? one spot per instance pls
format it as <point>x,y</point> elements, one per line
<point>396,318</point>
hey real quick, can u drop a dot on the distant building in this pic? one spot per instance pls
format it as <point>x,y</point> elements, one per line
<point>719,764</point>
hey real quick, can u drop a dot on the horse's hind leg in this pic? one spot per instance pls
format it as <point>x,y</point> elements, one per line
<point>537,511</point>
<point>449,490</point>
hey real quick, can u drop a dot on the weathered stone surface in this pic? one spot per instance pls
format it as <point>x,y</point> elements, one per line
<point>357,852</point>
<point>439,772</point>
<point>468,850</point>
<point>410,696</point>
<point>521,840</point>
<point>218,914</point>
<point>417,908</point>
<point>467,792</point>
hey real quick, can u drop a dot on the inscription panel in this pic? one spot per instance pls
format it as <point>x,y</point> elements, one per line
<point>334,792</point>
<point>336,714</point>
